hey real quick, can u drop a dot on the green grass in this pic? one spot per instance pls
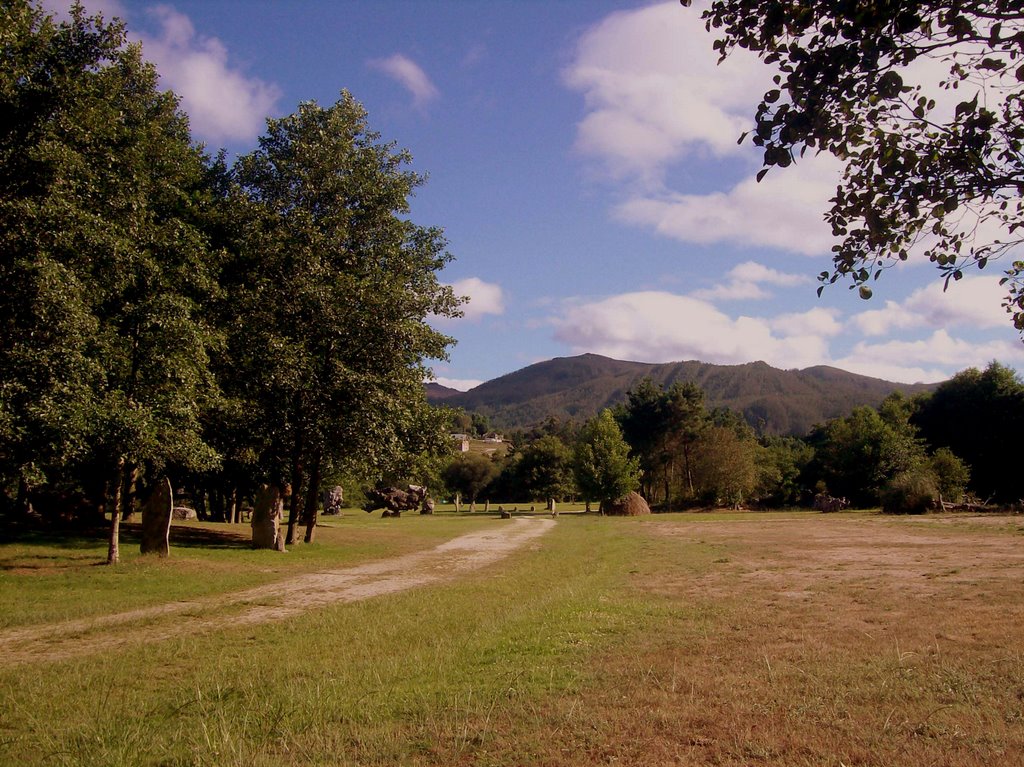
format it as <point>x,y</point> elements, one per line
<point>708,638</point>
<point>46,578</point>
<point>399,679</point>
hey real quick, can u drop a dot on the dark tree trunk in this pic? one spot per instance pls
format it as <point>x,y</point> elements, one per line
<point>313,497</point>
<point>686,466</point>
<point>23,504</point>
<point>129,493</point>
<point>298,481</point>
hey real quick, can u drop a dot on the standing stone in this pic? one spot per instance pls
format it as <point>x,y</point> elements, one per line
<point>333,500</point>
<point>428,506</point>
<point>266,518</point>
<point>156,520</point>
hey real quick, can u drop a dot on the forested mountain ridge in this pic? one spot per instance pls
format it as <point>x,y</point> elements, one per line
<point>773,401</point>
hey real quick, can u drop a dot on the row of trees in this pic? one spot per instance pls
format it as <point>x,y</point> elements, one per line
<point>164,313</point>
<point>904,455</point>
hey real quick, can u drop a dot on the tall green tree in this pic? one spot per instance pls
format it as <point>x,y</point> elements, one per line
<point>100,186</point>
<point>469,474</point>
<point>979,415</point>
<point>662,427</point>
<point>331,288</point>
<point>857,455</point>
<point>604,469</point>
<point>947,179</point>
<point>544,470</point>
<point>725,466</point>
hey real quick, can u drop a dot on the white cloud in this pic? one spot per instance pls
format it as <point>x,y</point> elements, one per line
<point>743,282</point>
<point>974,301</point>
<point>409,75</point>
<point>784,211</point>
<point>929,359</point>
<point>222,103</point>
<point>824,322</point>
<point>656,98</point>
<point>656,326</point>
<point>484,297</point>
<point>654,91</point>
<point>462,384</point>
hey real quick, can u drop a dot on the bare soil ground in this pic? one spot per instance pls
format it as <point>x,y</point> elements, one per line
<point>271,602</point>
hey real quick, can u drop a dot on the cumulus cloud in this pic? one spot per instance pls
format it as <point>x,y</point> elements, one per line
<point>222,103</point>
<point>784,211</point>
<point>745,281</point>
<point>927,360</point>
<point>409,75</point>
<point>825,322</point>
<point>655,97</point>
<point>654,91</point>
<point>974,301</point>
<point>484,297</point>
<point>654,326</point>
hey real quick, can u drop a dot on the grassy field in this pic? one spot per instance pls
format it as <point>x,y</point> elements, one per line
<point>691,639</point>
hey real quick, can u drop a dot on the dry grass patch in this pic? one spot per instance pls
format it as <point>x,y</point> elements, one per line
<point>810,640</point>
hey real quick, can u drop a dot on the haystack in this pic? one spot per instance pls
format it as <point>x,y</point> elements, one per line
<point>631,505</point>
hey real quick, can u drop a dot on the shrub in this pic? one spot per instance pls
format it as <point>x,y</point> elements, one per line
<point>910,492</point>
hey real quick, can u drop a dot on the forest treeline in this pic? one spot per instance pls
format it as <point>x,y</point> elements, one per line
<point>166,313</point>
<point>905,455</point>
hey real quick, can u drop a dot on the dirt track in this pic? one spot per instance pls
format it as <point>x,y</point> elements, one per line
<point>270,602</point>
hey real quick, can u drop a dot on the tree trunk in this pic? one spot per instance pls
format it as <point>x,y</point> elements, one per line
<point>128,493</point>
<point>23,504</point>
<point>113,549</point>
<point>313,498</point>
<point>686,465</point>
<point>298,481</point>
<point>198,493</point>
<point>233,512</point>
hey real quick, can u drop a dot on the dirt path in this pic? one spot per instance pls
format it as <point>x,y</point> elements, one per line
<point>270,602</point>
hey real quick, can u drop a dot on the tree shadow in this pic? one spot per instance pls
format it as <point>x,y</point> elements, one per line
<point>207,538</point>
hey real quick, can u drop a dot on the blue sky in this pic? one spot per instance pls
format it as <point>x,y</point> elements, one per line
<point>582,160</point>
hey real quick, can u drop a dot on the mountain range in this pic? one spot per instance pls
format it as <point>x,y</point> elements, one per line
<point>773,401</point>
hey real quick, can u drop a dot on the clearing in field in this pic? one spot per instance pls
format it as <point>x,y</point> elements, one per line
<point>691,639</point>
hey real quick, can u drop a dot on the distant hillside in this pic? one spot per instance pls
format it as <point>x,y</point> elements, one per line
<point>437,392</point>
<point>773,401</point>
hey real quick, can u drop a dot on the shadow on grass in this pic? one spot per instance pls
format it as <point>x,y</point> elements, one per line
<point>206,538</point>
<point>70,547</point>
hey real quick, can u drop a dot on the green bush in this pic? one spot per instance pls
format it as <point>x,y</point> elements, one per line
<point>910,492</point>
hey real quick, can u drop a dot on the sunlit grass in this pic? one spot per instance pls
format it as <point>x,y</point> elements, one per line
<point>726,638</point>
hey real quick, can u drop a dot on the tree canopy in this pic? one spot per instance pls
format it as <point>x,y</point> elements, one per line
<point>164,314</point>
<point>332,287</point>
<point>104,348</point>
<point>604,469</point>
<point>939,169</point>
